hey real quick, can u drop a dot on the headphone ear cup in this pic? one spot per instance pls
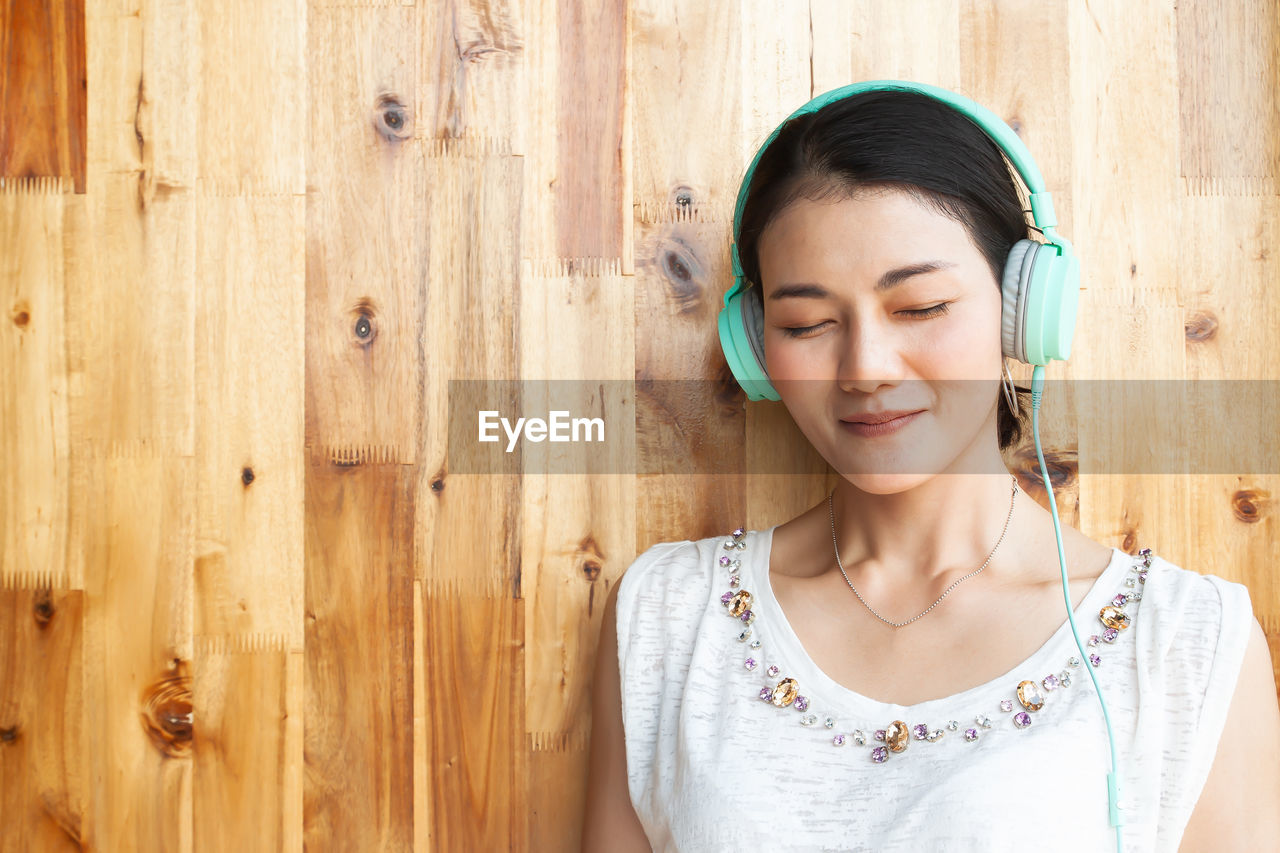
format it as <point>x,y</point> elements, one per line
<point>741,325</point>
<point>1014,286</point>
<point>1053,297</point>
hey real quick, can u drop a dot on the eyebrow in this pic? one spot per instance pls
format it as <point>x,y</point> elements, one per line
<point>890,279</point>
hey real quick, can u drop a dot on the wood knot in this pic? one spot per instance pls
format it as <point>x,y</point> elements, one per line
<point>391,119</point>
<point>1247,504</point>
<point>166,713</point>
<point>42,607</point>
<point>9,734</point>
<point>20,314</point>
<point>592,559</point>
<point>1061,464</point>
<point>364,325</point>
<point>246,475</point>
<point>1200,326</point>
<point>680,268</point>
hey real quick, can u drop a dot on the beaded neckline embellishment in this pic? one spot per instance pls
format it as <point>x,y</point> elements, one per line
<point>897,735</point>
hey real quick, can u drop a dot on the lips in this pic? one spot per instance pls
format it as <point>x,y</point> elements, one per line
<point>878,417</point>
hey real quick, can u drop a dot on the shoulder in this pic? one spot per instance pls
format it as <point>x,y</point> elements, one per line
<point>1184,607</point>
<point>676,570</point>
<point>665,593</point>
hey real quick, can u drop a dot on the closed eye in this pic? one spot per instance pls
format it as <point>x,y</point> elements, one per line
<point>932,311</point>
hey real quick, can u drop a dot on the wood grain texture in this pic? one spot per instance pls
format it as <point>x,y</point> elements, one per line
<point>251,594</point>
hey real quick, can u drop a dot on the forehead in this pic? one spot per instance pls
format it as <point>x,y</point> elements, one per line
<point>863,234</point>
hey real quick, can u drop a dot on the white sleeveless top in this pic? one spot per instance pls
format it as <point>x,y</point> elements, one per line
<point>714,764</point>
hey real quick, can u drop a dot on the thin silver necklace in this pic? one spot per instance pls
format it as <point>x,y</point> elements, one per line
<point>831,510</point>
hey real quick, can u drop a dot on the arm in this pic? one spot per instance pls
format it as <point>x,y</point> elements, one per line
<point>610,823</point>
<point>1239,808</point>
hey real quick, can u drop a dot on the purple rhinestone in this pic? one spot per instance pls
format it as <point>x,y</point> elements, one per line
<point>1110,635</point>
<point>1142,576</point>
<point>920,730</point>
<point>1022,719</point>
<point>970,734</point>
<point>773,670</point>
<point>738,533</point>
<point>751,663</point>
<point>1006,704</point>
<point>1095,660</point>
<point>801,703</point>
<point>734,580</point>
<point>1050,682</point>
<point>766,694</point>
<point>879,754</point>
<point>724,561</point>
<point>1093,639</point>
<point>726,598</point>
<point>838,740</point>
<point>1119,600</point>
<point>746,616</point>
<point>879,734</point>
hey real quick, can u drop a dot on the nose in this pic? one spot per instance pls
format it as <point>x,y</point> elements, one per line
<point>870,357</point>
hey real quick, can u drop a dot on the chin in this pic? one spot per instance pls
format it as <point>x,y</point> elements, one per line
<point>888,483</point>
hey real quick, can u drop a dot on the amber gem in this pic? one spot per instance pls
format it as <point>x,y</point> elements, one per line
<point>896,736</point>
<point>1114,617</point>
<point>785,693</point>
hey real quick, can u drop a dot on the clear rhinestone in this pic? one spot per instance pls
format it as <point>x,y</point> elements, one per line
<point>860,737</point>
<point>1064,679</point>
<point>953,725</point>
<point>808,720</point>
<point>729,544</point>
<point>829,723</point>
<point>983,721</point>
<point>745,635</point>
<point>1073,661</point>
<point>1131,582</point>
<point>1136,596</point>
<point>935,734</point>
<point>742,546</point>
<point>755,644</point>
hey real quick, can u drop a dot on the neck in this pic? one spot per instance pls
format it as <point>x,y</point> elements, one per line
<point>925,533</point>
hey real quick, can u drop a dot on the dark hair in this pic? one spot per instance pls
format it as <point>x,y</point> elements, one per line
<point>903,140</point>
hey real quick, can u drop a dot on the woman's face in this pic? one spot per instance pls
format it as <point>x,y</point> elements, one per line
<point>851,327</point>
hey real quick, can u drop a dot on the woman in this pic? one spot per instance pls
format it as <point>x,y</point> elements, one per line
<point>901,676</point>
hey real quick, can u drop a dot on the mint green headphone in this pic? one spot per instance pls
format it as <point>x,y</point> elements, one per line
<point>1040,287</point>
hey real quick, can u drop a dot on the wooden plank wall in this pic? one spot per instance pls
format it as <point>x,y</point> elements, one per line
<point>244,246</point>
